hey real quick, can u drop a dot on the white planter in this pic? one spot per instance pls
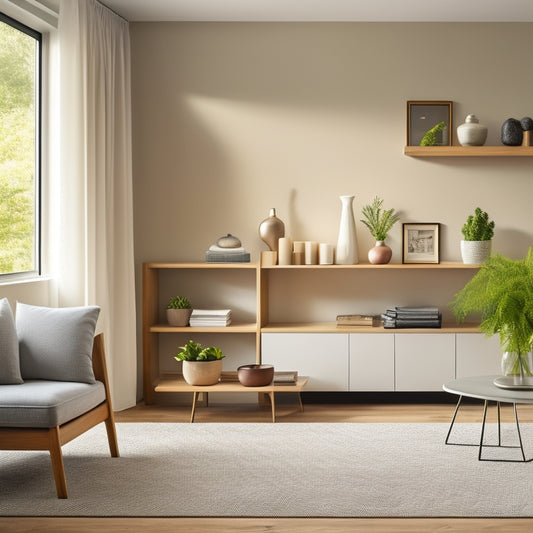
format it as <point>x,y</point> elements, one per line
<point>475,252</point>
<point>202,372</point>
<point>178,317</point>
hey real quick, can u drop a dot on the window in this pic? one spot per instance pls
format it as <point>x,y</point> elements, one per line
<point>20,89</point>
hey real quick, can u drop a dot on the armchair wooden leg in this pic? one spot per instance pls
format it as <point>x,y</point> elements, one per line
<point>57,462</point>
<point>112,436</point>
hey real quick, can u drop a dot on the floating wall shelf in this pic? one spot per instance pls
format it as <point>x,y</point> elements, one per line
<point>469,151</point>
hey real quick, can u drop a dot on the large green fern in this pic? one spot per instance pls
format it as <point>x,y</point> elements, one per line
<point>502,291</point>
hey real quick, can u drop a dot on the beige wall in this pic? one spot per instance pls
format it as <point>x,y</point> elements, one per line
<point>231,119</point>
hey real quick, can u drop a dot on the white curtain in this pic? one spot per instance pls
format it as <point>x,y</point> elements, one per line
<point>93,253</point>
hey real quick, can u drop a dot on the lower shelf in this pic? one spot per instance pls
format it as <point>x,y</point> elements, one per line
<point>176,383</point>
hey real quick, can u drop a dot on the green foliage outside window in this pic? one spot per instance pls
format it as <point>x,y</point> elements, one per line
<point>18,68</point>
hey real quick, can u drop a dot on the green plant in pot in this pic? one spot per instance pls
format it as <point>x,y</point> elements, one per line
<point>179,311</point>
<point>379,221</point>
<point>478,231</point>
<point>502,292</point>
<point>200,366</point>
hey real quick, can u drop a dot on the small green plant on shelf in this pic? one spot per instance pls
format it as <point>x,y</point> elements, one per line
<point>502,292</point>
<point>379,221</point>
<point>194,351</point>
<point>179,302</point>
<point>478,227</point>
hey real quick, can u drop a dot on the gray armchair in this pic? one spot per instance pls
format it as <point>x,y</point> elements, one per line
<point>38,412</point>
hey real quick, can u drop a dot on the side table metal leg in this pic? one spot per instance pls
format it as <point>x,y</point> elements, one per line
<point>518,431</point>
<point>482,430</point>
<point>453,419</point>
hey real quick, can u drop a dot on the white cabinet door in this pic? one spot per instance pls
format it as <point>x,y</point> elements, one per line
<point>424,361</point>
<point>321,356</point>
<point>371,362</point>
<point>477,356</point>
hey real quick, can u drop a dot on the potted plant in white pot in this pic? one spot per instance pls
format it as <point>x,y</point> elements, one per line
<point>502,292</point>
<point>379,221</point>
<point>200,366</point>
<point>478,231</point>
<point>179,311</point>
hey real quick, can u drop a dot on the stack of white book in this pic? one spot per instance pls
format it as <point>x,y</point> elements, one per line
<point>210,317</point>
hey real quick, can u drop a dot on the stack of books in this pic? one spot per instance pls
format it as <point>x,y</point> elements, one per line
<point>358,320</point>
<point>210,317</point>
<point>216,254</point>
<point>412,317</point>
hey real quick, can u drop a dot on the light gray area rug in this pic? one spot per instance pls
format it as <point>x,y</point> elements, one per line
<point>272,470</point>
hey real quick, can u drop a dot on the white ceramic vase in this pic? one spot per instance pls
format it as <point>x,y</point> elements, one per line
<point>475,252</point>
<point>471,133</point>
<point>346,252</point>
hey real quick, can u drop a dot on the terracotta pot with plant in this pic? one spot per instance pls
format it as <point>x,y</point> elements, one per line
<point>179,311</point>
<point>200,366</point>
<point>379,221</point>
<point>502,293</point>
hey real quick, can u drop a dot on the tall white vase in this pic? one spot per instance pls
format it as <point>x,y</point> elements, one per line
<point>346,252</point>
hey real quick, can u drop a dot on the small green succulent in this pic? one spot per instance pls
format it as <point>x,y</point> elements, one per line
<point>478,227</point>
<point>193,351</point>
<point>179,302</point>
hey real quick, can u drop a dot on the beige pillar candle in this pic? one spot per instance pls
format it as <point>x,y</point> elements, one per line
<point>285,251</point>
<point>325,253</point>
<point>311,253</point>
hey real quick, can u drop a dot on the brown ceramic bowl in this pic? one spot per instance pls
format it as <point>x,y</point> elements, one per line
<point>255,375</point>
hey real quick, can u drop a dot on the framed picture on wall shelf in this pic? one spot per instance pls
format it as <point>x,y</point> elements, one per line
<point>429,123</point>
<point>420,243</point>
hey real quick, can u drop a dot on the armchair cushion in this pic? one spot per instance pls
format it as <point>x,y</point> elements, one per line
<point>56,343</point>
<point>9,347</point>
<point>46,404</point>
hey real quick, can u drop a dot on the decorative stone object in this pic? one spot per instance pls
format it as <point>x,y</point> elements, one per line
<point>271,230</point>
<point>471,133</point>
<point>229,241</point>
<point>527,127</point>
<point>512,132</point>
<point>527,123</point>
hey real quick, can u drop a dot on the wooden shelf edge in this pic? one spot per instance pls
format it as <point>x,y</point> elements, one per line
<point>469,151</point>
<point>368,266</point>
<point>236,327</point>
<point>331,327</point>
<point>200,265</point>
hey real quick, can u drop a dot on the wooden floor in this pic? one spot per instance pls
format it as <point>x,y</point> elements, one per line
<point>286,413</point>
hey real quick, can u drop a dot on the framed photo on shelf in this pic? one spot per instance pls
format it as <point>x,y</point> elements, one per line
<point>429,123</point>
<point>420,243</point>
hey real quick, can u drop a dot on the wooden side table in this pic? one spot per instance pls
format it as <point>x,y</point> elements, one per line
<point>178,384</point>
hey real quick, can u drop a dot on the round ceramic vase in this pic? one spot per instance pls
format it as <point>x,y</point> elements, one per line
<point>471,133</point>
<point>271,230</point>
<point>202,372</point>
<point>380,254</point>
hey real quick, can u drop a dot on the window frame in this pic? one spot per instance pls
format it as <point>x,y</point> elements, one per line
<point>38,36</point>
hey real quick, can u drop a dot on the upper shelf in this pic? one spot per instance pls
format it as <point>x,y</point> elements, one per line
<point>368,266</point>
<point>469,151</point>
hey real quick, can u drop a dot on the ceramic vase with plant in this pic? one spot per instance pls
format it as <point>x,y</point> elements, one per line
<point>379,221</point>
<point>200,366</point>
<point>179,311</point>
<point>478,231</point>
<point>502,293</point>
